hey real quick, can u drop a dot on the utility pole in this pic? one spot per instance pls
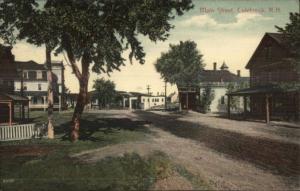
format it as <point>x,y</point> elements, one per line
<point>148,88</point>
<point>166,95</point>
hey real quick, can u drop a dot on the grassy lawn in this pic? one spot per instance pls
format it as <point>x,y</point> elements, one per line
<point>42,164</point>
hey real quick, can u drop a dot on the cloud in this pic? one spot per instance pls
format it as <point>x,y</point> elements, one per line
<point>241,19</point>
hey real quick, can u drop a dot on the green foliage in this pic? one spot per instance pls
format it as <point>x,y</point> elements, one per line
<point>99,29</point>
<point>181,65</point>
<point>207,96</point>
<point>104,91</point>
<point>292,32</point>
<point>235,100</point>
<point>129,172</point>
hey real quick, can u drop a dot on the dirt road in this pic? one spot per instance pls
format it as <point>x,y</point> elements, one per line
<point>227,154</point>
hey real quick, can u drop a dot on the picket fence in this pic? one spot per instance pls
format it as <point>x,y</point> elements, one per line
<point>20,132</point>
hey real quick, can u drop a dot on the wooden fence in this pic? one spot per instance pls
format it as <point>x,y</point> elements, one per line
<point>19,132</point>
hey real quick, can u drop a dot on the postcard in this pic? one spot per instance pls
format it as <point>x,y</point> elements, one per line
<point>150,95</point>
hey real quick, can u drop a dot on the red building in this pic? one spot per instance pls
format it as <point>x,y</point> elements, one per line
<point>273,74</point>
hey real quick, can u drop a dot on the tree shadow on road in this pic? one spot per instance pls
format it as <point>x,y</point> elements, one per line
<point>279,157</point>
<point>105,125</point>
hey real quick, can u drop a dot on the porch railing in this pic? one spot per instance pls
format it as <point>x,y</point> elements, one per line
<point>20,132</point>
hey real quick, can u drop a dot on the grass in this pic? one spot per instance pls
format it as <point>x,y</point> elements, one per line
<point>130,172</point>
<point>43,164</point>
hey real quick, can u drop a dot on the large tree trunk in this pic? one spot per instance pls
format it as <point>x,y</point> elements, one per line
<point>82,98</point>
<point>50,93</point>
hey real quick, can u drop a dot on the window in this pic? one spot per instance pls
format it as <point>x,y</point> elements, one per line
<point>162,100</point>
<point>40,87</point>
<point>153,100</point>
<point>143,100</point>
<point>32,75</point>
<point>148,100</point>
<point>34,100</point>
<point>222,100</point>
<point>25,76</point>
<point>44,75</point>
<point>24,86</point>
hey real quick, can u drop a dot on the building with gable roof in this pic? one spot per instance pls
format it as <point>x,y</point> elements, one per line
<point>272,75</point>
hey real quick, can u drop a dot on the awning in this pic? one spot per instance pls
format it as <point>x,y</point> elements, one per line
<point>269,89</point>
<point>12,98</point>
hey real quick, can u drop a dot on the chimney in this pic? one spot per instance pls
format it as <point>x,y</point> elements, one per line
<point>215,66</point>
<point>239,73</point>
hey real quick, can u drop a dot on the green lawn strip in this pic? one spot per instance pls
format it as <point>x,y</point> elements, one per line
<point>196,180</point>
<point>129,172</point>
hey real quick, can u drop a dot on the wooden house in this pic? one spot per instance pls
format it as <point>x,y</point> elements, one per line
<point>272,75</point>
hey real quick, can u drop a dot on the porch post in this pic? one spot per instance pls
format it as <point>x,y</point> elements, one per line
<point>245,106</point>
<point>187,100</point>
<point>228,106</point>
<point>59,103</point>
<point>44,103</point>
<point>123,99</point>
<point>28,110</point>
<point>267,109</point>
<point>130,107</point>
<point>10,114</point>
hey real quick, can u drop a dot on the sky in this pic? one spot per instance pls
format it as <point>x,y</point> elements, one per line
<point>224,30</point>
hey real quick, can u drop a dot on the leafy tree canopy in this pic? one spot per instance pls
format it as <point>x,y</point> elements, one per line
<point>292,32</point>
<point>101,29</point>
<point>104,91</point>
<point>181,65</point>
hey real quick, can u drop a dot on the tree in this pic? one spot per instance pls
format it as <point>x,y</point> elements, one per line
<point>97,32</point>
<point>181,65</point>
<point>292,33</point>
<point>235,100</point>
<point>207,96</point>
<point>104,91</point>
<point>23,20</point>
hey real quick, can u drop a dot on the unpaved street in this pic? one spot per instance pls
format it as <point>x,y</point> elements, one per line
<point>227,154</point>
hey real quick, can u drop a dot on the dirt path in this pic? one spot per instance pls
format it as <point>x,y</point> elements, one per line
<point>206,153</point>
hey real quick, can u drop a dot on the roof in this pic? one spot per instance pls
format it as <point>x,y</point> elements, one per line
<point>32,65</point>
<point>221,76</point>
<point>12,97</point>
<point>277,37</point>
<point>266,89</point>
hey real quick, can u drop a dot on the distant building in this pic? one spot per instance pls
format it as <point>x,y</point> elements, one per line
<point>131,100</point>
<point>219,80</point>
<point>35,84</point>
<point>272,73</point>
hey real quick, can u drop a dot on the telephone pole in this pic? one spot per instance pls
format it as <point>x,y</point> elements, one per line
<point>165,95</point>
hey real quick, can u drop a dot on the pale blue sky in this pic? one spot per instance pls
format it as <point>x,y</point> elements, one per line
<point>229,36</point>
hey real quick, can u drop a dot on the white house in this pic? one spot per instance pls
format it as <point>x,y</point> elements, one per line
<point>219,81</point>
<point>136,100</point>
<point>35,84</point>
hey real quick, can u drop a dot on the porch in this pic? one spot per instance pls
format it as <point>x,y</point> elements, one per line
<point>12,109</point>
<point>268,102</point>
